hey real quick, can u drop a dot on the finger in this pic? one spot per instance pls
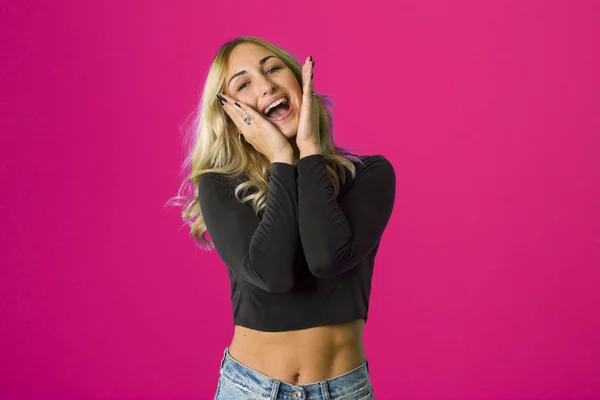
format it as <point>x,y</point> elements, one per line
<point>311,68</point>
<point>240,112</point>
<point>245,109</point>
<point>311,80</point>
<point>232,109</point>
<point>237,121</point>
<point>306,71</point>
<point>235,116</point>
<point>307,77</point>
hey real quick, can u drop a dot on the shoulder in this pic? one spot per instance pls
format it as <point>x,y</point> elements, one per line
<point>210,181</point>
<point>374,165</point>
<point>217,183</point>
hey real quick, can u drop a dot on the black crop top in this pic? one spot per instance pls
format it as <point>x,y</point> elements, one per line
<point>307,260</point>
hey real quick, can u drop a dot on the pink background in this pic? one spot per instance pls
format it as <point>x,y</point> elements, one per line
<point>487,283</point>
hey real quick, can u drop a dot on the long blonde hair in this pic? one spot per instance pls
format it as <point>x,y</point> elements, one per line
<point>218,149</point>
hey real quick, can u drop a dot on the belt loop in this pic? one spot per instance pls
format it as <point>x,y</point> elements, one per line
<point>223,359</point>
<point>274,390</point>
<point>325,390</point>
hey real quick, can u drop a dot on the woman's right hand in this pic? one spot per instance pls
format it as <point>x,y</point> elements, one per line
<point>261,133</point>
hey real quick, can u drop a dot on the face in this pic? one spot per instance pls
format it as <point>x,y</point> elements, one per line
<point>258,78</point>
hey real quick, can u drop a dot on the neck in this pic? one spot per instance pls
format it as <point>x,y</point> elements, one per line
<point>292,142</point>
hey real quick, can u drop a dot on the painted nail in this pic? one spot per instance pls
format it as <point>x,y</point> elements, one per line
<point>236,103</point>
<point>311,75</point>
<point>310,58</point>
<point>313,64</point>
<point>221,97</point>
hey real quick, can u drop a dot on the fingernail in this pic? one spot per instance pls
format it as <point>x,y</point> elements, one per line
<point>311,75</point>
<point>310,58</point>
<point>313,64</point>
<point>236,103</point>
<point>220,101</point>
<point>221,97</point>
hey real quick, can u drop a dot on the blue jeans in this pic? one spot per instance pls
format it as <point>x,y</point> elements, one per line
<point>240,382</point>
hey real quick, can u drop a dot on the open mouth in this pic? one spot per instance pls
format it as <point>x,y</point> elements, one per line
<point>279,110</point>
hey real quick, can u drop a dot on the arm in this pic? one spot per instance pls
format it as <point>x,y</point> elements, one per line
<point>337,236</point>
<point>262,252</point>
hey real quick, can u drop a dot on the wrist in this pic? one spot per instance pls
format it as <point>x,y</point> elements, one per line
<point>286,157</point>
<point>306,151</point>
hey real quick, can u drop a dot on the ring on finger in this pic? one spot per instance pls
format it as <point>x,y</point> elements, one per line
<point>247,120</point>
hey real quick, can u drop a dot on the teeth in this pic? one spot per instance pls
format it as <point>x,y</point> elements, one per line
<point>275,104</point>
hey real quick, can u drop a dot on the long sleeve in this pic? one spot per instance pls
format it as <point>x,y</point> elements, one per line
<point>260,251</point>
<point>337,236</point>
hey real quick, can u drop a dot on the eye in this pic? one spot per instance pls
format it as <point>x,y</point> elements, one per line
<point>269,71</point>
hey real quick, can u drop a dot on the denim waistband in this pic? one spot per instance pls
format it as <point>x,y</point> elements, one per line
<point>269,388</point>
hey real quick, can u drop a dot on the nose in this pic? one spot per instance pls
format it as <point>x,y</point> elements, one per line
<point>266,86</point>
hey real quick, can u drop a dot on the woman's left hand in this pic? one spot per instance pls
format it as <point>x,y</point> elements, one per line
<point>307,138</point>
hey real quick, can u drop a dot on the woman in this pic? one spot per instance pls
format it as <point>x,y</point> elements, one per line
<point>296,220</point>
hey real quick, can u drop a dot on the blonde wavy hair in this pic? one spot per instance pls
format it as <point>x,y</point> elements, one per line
<point>217,148</point>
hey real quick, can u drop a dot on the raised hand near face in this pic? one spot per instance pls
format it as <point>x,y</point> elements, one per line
<point>258,131</point>
<point>307,137</point>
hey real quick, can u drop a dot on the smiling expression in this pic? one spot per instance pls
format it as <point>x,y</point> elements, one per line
<point>257,77</point>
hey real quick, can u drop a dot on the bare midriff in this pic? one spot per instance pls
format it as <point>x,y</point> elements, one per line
<point>302,356</point>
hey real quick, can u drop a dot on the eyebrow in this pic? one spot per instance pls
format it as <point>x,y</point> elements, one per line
<point>260,62</point>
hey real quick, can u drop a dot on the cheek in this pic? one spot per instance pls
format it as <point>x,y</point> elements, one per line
<point>295,92</point>
<point>291,83</point>
<point>299,99</point>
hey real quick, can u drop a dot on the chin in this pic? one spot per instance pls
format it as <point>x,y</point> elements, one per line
<point>290,128</point>
<point>289,131</point>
